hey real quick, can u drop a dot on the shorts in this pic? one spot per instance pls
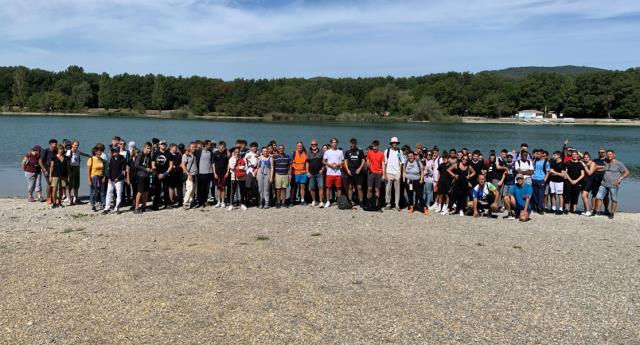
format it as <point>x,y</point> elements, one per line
<point>374,180</point>
<point>221,182</point>
<point>74,177</point>
<point>556,188</point>
<point>486,204</point>
<point>143,182</point>
<point>357,180</point>
<point>444,187</point>
<point>175,179</point>
<point>612,192</point>
<point>316,181</point>
<point>504,190</point>
<point>334,181</point>
<point>60,182</point>
<point>301,179</point>
<point>281,182</point>
<point>595,187</point>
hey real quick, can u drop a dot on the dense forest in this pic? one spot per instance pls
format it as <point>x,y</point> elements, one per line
<point>591,93</point>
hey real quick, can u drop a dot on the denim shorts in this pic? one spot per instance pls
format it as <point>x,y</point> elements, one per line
<point>316,181</point>
<point>603,191</point>
<point>300,178</point>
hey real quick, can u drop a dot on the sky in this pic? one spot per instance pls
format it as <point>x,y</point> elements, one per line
<point>231,39</point>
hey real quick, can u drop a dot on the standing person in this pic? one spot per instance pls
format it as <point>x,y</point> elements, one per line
<point>518,200</point>
<point>299,166</point>
<point>557,173</point>
<point>375,162</point>
<point>204,165</point>
<point>143,173</point>
<point>392,171</point>
<point>413,176</point>
<point>264,174</point>
<point>32,172</point>
<point>315,171</point>
<point>461,173</point>
<point>58,176</point>
<point>162,166</point>
<point>95,174</point>
<point>333,160</point>
<point>495,174</point>
<point>598,176</point>
<point>220,160</point>
<point>575,174</point>
<point>251,157</point>
<point>131,176</point>
<point>614,172</point>
<point>477,163</point>
<point>508,176</point>
<point>355,171</point>
<point>74,154</point>
<point>282,170</point>
<point>177,174</point>
<point>190,167</point>
<point>45,163</point>
<point>589,168</point>
<point>524,166</point>
<point>444,183</point>
<point>238,174</point>
<point>539,177</point>
<point>430,178</point>
<point>115,179</point>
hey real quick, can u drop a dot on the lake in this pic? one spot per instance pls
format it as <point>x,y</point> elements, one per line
<point>20,133</point>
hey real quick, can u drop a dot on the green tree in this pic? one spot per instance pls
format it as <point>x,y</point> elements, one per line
<point>106,96</point>
<point>80,95</point>
<point>20,89</point>
<point>159,95</point>
<point>382,99</point>
<point>427,108</point>
<point>54,101</point>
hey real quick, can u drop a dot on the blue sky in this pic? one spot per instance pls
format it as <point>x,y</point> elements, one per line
<point>269,39</point>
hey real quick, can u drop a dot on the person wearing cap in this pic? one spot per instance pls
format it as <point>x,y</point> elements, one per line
<point>392,172</point>
<point>518,201</point>
<point>117,167</point>
<point>162,165</point>
<point>46,155</point>
<point>31,167</point>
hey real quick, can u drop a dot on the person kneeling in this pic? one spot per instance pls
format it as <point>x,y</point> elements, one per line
<point>484,198</point>
<point>518,201</point>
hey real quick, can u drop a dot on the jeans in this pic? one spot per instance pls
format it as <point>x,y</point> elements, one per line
<point>427,195</point>
<point>264,187</point>
<point>414,194</point>
<point>33,182</point>
<point>94,190</point>
<point>393,180</point>
<point>117,188</point>
<point>537,199</point>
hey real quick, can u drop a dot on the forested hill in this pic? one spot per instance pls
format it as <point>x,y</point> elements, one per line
<point>594,93</point>
<point>518,72</point>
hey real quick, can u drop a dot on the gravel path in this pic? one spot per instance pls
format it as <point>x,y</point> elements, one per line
<point>311,276</point>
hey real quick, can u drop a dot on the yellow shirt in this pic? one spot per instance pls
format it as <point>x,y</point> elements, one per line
<point>96,165</point>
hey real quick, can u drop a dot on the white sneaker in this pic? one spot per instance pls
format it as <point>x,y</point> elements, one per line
<point>230,208</point>
<point>313,204</point>
<point>223,205</point>
<point>243,207</point>
<point>328,204</point>
<point>461,214</point>
<point>217,205</point>
<point>586,214</point>
<point>444,212</point>
<point>433,207</point>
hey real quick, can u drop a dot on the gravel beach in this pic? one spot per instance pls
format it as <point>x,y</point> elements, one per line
<point>312,276</point>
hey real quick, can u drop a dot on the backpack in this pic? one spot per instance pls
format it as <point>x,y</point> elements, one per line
<point>240,169</point>
<point>372,205</point>
<point>343,203</point>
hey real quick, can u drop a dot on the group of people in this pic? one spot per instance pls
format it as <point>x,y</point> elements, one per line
<point>425,180</point>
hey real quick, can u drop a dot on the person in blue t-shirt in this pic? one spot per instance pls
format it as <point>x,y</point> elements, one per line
<point>518,202</point>
<point>539,177</point>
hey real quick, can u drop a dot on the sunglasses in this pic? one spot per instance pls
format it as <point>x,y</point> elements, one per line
<point>314,144</point>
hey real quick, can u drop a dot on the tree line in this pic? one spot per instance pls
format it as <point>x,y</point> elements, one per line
<point>593,94</point>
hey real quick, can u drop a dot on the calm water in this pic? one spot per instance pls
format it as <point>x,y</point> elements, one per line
<point>19,134</point>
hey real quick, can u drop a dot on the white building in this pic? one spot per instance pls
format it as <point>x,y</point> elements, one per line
<point>530,114</point>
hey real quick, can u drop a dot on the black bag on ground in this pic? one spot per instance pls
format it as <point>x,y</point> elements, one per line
<point>343,203</point>
<point>371,205</point>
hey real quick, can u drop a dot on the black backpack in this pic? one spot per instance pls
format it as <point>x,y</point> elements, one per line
<point>372,205</point>
<point>343,203</point>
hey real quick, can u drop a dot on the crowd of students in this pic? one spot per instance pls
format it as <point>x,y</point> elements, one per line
<point>425,180</point>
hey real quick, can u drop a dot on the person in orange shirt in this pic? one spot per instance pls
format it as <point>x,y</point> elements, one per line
<point>299,168</point>
<point>375,158</point>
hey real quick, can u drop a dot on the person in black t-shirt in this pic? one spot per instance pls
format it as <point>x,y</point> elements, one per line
<point>220,160</point>
<point>477,163</point>
<point>163,166</point>
<point>176,178</point>
<point>556,182</point>
<point>354,170</point>
<point>575,176</point>
<point>117,174</point>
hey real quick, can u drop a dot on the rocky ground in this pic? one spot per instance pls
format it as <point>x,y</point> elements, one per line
<point>312,276</point>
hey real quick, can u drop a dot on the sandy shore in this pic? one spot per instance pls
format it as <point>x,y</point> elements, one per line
<point>312,276</point>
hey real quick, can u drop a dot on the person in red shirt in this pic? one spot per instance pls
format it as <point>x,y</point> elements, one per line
<point>375,157</point>
<point>31,167</point>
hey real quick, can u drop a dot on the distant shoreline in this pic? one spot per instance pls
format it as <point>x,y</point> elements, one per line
<point>465,120</point>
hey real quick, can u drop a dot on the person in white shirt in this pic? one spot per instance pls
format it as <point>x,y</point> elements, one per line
<point>251,159</point>
<point>392,172</point>
<point>524,166</point>
<point>74,155</point>
<point>333,160</point>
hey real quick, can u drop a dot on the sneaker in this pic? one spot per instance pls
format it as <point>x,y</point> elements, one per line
<point>398,209</point>
<point>314,204</point>
<point>223,205</point>
<point>597,215</point>
<point>444,212</point>
<point>243,207</point>
<point>218,205</point>
<point>105,212</point>
<point>509,216</point>
<point>304,203</point>
<point>586,214</point>
<point>266,207</point>
<point>328,204</point>
<point>461,214</point>
<point>388,207</point>
<point>610,215</point>
<point>230,208</point>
